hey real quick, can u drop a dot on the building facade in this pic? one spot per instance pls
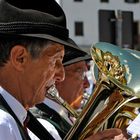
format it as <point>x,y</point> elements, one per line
<point>83,17</point>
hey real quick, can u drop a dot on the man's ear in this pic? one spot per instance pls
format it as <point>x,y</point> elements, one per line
<point>19,57</point>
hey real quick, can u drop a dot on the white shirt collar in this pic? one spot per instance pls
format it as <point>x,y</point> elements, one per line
<point>58,108</point>
<point>15,105</point>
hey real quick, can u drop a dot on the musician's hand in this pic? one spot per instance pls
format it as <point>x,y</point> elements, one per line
<point>109,134</point>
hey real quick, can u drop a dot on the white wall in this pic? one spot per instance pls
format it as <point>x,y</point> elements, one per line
<point>87,11</point>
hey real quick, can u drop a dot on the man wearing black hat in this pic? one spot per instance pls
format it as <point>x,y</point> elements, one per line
<point>31,51</point>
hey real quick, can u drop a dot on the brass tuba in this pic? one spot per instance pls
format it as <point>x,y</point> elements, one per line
<point>117,84</point>
<point>129,111</point>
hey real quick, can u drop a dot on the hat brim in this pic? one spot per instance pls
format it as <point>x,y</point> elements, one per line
<point>73,53</point>
<point>78,59</point>
<point>52,38</point>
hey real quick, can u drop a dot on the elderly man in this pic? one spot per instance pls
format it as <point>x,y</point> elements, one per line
<point>70,90</point>
<point>31,53</point>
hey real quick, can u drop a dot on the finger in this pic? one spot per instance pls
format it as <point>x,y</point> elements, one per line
<point>120,137</point>
<point>109,133</point>
<point>106,134</point>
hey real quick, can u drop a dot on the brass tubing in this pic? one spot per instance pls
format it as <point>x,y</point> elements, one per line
<point>84,116</point>
<point>53,94</point>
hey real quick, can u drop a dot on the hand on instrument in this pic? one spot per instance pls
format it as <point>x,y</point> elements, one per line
<point>109,134</point>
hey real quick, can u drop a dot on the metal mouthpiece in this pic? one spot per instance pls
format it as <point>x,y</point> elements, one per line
<point>53,94</point>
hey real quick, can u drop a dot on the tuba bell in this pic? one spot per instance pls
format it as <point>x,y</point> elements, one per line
<point>117,84</point>
<point>129,111</point>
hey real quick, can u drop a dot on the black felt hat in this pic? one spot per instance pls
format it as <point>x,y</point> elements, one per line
<point>72,56</point>
<point>42,19</point>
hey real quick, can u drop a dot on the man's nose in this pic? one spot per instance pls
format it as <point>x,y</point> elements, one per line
<point>60,73</point>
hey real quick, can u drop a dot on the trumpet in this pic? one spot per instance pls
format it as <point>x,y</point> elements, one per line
<point>53,94</point>
<point>117,85</point>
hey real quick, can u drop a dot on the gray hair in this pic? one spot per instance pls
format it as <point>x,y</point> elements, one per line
<point>33,45</point>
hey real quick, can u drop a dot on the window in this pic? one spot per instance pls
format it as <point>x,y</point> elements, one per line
<point>79,29</point>
<point>104,1</point>
<point>131,1</point>
<point>136,34</point>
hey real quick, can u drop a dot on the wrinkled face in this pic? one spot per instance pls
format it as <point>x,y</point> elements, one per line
<point>40,73</point>
<point>72,88</point>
